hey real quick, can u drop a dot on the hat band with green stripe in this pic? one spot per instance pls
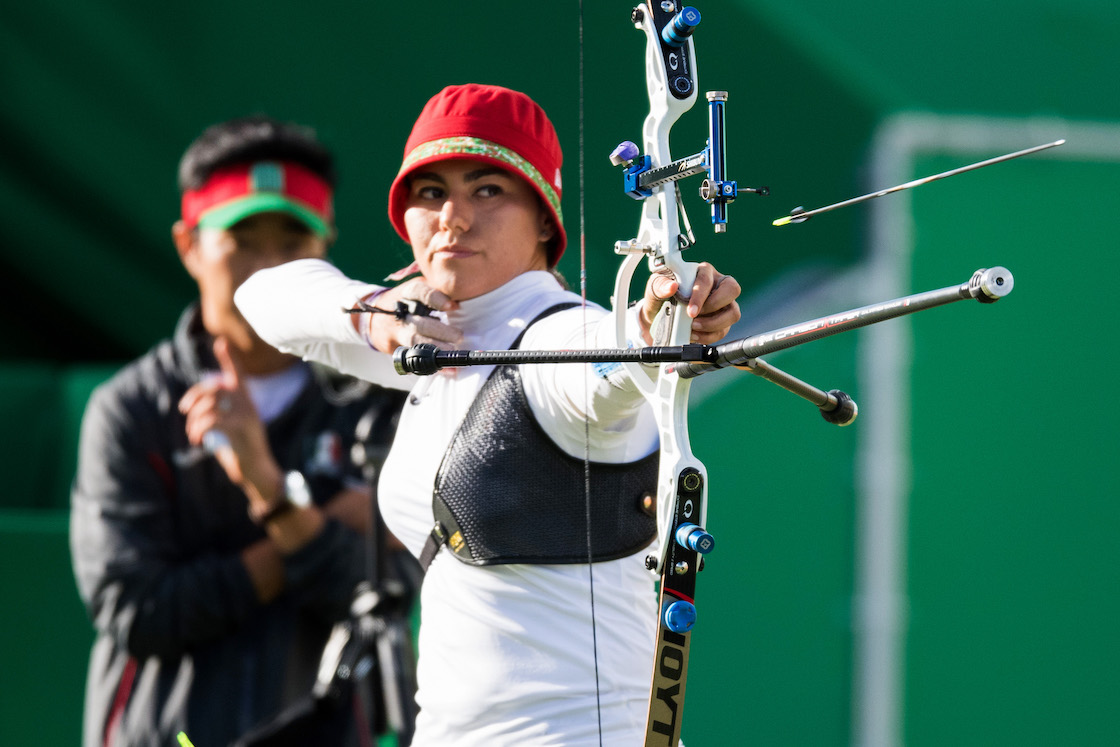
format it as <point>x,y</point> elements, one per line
<point>467,147</point>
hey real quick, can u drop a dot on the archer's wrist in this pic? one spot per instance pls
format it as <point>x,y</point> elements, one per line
<point>363,322</point>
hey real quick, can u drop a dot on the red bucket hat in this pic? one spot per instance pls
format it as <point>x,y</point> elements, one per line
<point>492,124</point>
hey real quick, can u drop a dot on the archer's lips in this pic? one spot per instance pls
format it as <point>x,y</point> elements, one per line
<point>453,251</point>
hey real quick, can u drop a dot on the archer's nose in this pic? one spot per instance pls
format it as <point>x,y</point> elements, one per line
<point>455,215</point>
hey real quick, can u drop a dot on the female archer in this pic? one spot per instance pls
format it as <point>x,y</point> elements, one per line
<point>505,480</point>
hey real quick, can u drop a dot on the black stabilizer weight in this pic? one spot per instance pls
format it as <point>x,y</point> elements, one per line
<point>418,359</point>
<point>844,412</point>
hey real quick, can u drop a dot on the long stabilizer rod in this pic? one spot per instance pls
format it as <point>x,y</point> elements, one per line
<point>986,285</point>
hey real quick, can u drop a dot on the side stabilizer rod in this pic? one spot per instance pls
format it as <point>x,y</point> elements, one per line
<point>836,407</point>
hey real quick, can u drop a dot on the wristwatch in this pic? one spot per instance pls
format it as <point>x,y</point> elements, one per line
<point>294,493</point>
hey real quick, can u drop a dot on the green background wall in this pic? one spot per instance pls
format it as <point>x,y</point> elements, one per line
<point>983,465</point>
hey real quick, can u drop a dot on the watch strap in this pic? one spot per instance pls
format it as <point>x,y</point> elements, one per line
<point>281,505</point>
<point>278,508</point>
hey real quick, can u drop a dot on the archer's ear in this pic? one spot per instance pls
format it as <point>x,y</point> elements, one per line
<point>186,244</point>
<point>548,227</point>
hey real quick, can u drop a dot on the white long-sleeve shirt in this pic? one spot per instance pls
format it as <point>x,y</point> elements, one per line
<point>506,652</point>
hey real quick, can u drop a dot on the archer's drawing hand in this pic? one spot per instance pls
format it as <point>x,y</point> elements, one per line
<point>386,332</point>
<point>221,405</point>
<point>712,303</point>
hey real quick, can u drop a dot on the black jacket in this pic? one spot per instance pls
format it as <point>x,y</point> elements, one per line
<point>156,530</point>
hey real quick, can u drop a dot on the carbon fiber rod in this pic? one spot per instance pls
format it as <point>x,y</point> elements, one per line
<point>986,286</point>
<point>836,407</point>
<point>689,361</point>
<point>425,359</point>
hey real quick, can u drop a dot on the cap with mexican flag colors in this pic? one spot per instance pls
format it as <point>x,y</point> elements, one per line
<point>234,193</point>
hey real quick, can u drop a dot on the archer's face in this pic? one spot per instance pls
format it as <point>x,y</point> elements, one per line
<point>474,227</point>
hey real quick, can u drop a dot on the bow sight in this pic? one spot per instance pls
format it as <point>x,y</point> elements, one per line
<point>675,73</point>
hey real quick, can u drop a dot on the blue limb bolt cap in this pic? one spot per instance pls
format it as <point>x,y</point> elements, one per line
<point>679,616</point>
<point>695,538</point>
<point>680,27</point>
<point>689,16</point>
<point>624,153</point>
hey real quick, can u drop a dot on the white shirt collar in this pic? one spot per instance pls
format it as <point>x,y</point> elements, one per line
<point>494,320</point>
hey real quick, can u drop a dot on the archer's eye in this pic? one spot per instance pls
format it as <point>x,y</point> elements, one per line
<point>429,192</point>
<point>489,190</point>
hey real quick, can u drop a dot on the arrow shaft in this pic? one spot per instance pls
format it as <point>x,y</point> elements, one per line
<point>917,182</point>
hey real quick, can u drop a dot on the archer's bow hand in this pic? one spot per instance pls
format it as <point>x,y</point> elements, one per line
<point>712,303</point>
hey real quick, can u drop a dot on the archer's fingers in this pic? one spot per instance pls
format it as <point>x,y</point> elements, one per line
<point>713,304</point>
<point>723,295</point>
<point>418,289</point>
<point>661,287</point>
<point>710,290</point>
<point>432,330</point>
<point>710,328</point>
<point>387,332</point>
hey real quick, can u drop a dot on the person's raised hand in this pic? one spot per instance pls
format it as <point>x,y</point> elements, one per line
<point>222,418</point>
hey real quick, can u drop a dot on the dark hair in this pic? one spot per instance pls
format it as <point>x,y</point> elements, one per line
<point>253,138</point>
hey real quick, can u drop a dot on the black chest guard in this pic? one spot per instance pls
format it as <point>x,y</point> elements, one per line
<point>505,493</point>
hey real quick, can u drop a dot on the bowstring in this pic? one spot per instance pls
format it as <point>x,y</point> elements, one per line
<point>586,383</point>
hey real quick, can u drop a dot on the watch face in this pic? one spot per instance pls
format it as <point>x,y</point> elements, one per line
<point>296,489</point>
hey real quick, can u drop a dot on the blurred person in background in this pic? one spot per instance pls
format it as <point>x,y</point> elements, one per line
<point>217,522</point>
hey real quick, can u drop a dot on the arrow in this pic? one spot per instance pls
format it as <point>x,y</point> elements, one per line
<point>800,215</point>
